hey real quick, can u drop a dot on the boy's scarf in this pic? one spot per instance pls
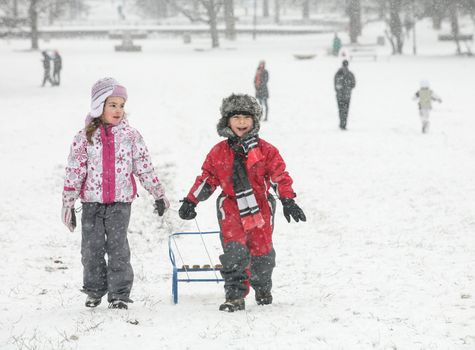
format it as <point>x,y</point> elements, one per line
<point>247,204</point>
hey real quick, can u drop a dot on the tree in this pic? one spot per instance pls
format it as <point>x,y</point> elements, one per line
<point>9,19</point>
<point>33,16</point>
<point>209,16</point>
<point>438,11</point>
<point>395,36</point>
<point>354,12</point>
<point>306,9</point>
<point>153,8</point>
<point>265,8</point>
<point>229,20</point>
<point>454,24</point>
<point>277,11</point>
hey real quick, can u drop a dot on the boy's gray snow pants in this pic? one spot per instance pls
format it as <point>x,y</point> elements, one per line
<point>104,231</point>
<point>241,268</point>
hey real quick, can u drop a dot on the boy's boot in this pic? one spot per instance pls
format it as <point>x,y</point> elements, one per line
<point>232,305</point>
<point>263,298</point>
<point>118,304</point>
<point>92,301</point>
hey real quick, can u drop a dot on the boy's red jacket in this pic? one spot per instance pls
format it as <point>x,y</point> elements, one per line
<point>268,171</point>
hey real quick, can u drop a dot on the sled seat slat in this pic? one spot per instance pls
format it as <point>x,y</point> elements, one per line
<point>205,267</point>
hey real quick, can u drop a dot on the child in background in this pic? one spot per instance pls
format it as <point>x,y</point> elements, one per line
<point>425,96</point>
<point>103,160</point>
<point>46,69</point>
<point>245,167</point>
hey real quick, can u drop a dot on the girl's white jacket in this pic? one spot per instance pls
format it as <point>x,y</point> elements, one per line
<point>104,171</point>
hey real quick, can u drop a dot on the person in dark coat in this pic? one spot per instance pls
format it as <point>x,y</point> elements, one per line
<point>46,69</point>
<point>57,66</point>
<point>260,83</point>
<point>344,83</point>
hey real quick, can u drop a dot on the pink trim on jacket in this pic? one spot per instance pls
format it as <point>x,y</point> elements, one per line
<point>108,165</point>
<point>134,185</point>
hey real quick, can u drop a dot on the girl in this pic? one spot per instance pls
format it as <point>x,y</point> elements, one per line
<point>103,160</point>
<point>245,167</point>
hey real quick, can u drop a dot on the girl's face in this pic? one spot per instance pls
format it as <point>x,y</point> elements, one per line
<point>241,124</point>
<point>113,110</point>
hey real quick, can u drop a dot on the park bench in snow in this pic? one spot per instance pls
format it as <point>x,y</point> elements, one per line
<point>362,52</point>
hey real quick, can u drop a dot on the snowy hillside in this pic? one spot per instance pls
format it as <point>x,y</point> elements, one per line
<point>385,259</point>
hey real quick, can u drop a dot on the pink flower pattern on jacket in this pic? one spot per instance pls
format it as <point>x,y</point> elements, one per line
<point>88,172</point>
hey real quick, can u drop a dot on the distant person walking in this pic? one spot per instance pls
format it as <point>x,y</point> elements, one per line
<point>260,83</point>
<point>336,47</point>
<point>425,96</point>
<point>57,66</point>
<point>344,84</point>
<point>46,69</point>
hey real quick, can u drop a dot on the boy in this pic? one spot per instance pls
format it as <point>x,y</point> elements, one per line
<point>245,167</point>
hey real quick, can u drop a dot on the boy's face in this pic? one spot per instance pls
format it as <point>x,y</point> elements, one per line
<point>113,110</point>
<point>241,124</point>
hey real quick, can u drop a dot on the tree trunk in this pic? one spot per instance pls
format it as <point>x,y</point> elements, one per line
<point>73,9</point>
<point>15,9</point>
<point>395,26</point>
<point>354,11</point>
<point>277,11</point>
<point>33,14</point>
<point>51,12</point>
<point>230,21</point>
<point>213,21</point>
<point>196,7</point>
<point>454,24</point>
<point>265,8</point>
<point>162,9</point>
<point>382,10</point>
<point>306,9</point>
<point>438,9</point>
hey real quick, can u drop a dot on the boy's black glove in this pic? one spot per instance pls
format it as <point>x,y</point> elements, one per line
<point>292,209</point>
<point>160,206</point>
<point>187,210</point>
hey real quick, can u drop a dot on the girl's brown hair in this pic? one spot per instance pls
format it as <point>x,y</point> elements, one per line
<point>91,127</point>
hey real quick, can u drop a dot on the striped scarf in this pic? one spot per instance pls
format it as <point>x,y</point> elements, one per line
<point>246,154</point>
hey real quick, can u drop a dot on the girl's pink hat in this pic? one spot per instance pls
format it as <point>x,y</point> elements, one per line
<point>101,90</point>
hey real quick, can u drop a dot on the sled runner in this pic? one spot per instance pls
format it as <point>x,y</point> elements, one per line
<point>186,271</point>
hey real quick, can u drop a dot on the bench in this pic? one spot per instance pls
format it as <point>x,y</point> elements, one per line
<point>127,44</point>
<point>362,53</point>
<point>304,56</point>
<point>133,34</point>
<point>460,37</point>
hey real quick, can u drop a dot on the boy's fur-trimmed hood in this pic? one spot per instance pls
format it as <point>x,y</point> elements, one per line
<point>239,104</point>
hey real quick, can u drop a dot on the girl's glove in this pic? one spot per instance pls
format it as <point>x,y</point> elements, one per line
<point>187,210</point>
<point>292,209</point>
<point>161,205</point>
<point>69,218</point>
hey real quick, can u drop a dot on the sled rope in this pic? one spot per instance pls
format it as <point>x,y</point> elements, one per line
<point>207,252</point>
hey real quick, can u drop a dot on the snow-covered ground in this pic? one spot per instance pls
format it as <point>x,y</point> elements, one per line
<point>386,259</point>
